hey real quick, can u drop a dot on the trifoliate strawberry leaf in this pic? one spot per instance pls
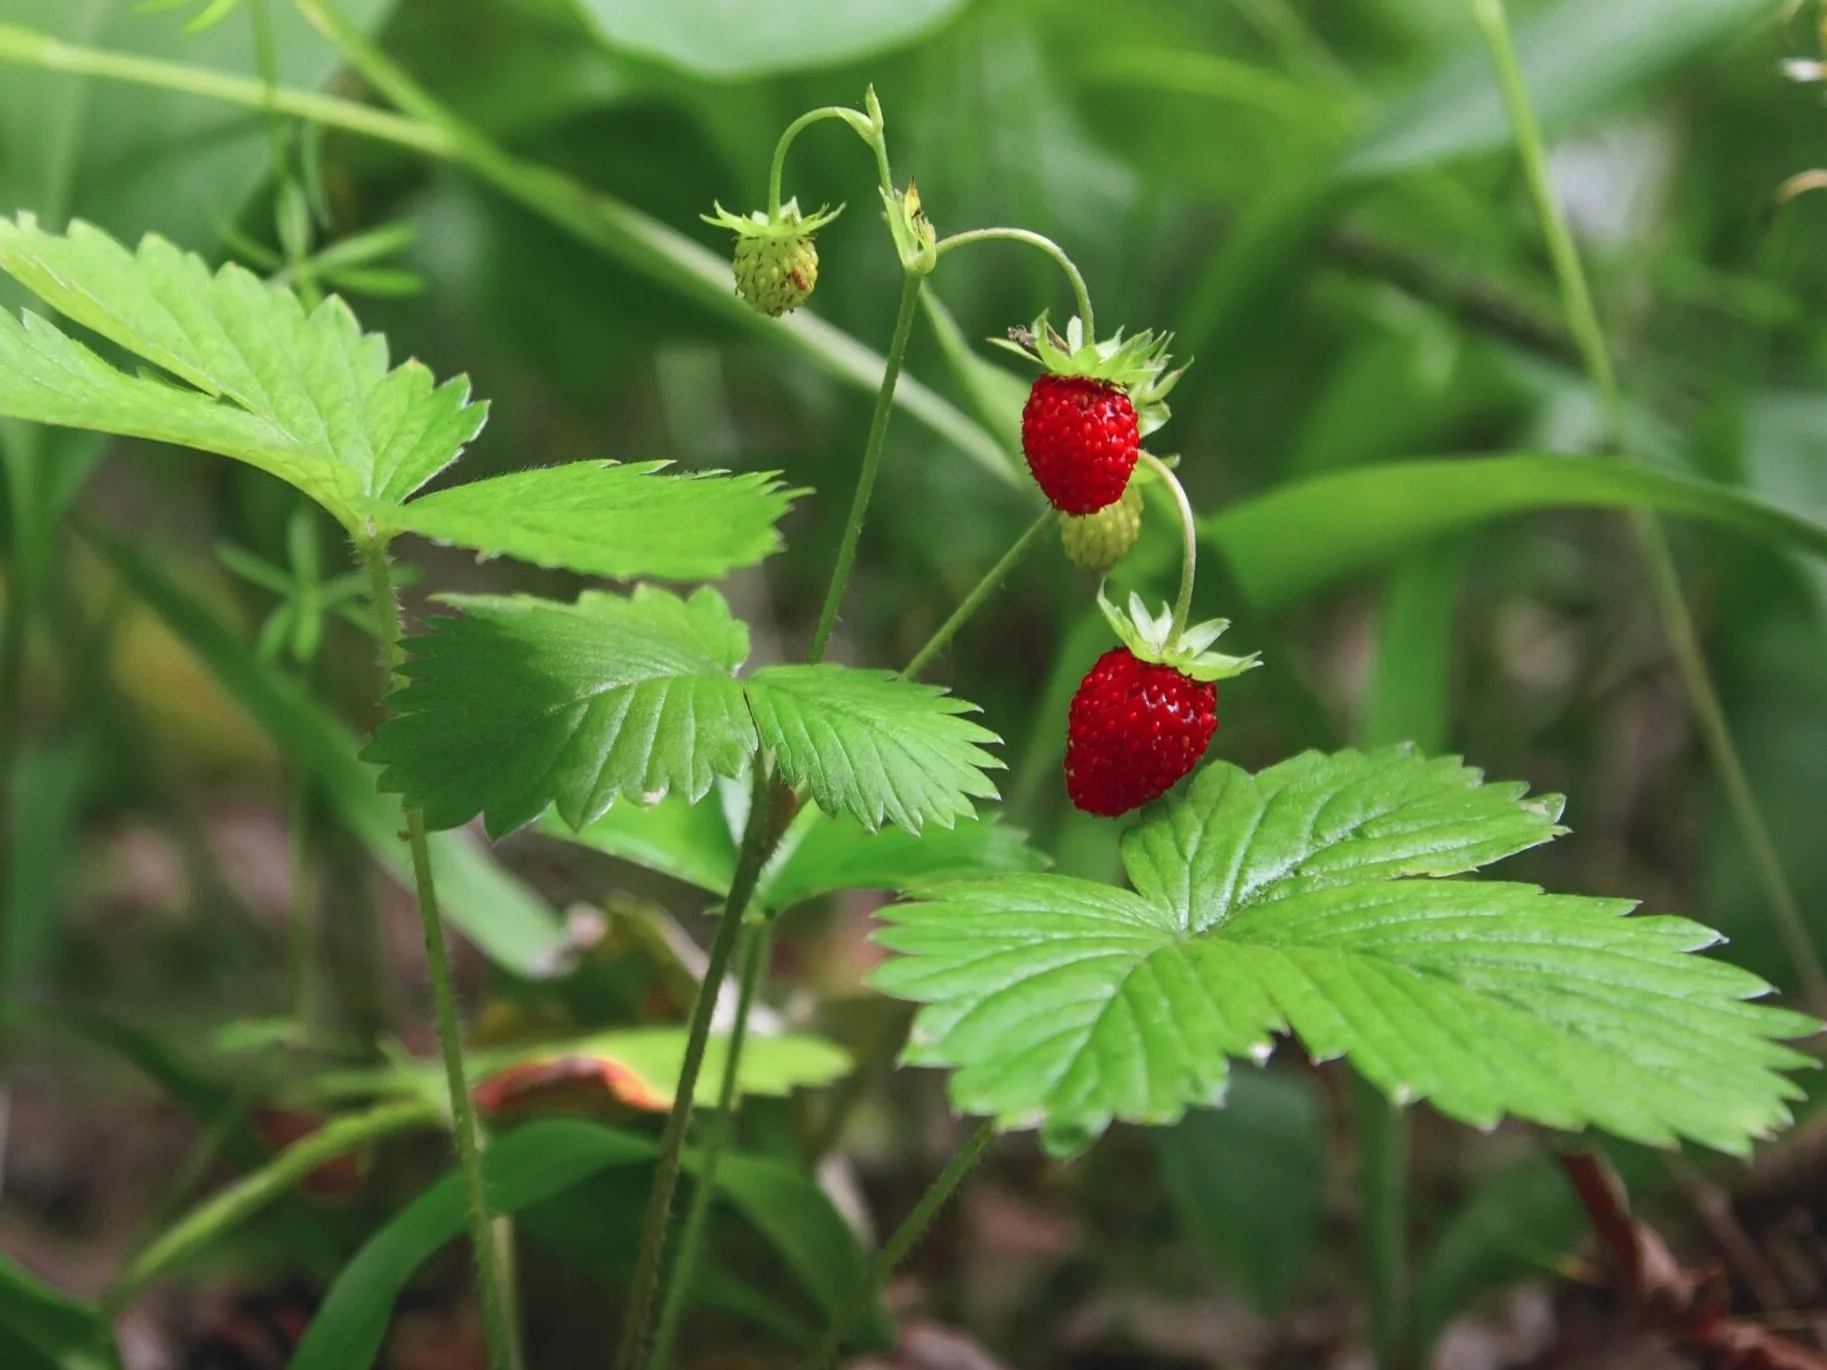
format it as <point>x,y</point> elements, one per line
<point>517,703</point>
<point>1285,902</point>
<point>872,745</point>
<point>601,519</point>
<point>305,396</point>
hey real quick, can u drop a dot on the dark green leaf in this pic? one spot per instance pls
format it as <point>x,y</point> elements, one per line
<point>1247,1181</point>
<point>41,1329</point>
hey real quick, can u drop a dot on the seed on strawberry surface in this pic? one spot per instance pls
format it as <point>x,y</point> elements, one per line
<point>1081,438</point>
<point>1136,728</point>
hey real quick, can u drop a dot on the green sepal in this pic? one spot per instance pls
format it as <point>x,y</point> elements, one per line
<point>1150,637</point>
<point>787,225</point>
<point>1136,364</point>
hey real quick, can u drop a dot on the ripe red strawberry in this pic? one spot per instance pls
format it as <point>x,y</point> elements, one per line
<point>1145,713</point>
<point>1081,439</point>
<point>1086,416</point>
<point>1135,730</point>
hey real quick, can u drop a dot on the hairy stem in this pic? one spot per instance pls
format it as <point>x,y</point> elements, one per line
<point>759,836</point>
<point>1677,619</point>
<point>895,1250</point>
<point>247,1196</point>
<point>1189,542</point>
<point>1046,245</point>
<point>757,938</point>
<point>499,1331</point>
<point>979,595</point>
<point>872,461</point>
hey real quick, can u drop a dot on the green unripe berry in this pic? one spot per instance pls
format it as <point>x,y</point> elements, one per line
<point>776,274</point>
<point>1097,542</point>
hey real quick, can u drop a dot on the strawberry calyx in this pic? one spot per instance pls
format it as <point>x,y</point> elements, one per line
<point>1137,364</point>
<point>1151,637</point>
<point>788,224</point>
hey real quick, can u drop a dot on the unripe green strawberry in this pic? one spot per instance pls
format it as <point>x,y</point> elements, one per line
<point>776,274</point>
<point>776,262</point>
<point>1097,542</point>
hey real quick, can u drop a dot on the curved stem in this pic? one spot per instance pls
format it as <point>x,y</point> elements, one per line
<point>373,553</point>
<point>1677,619</point>
<point>759,836</point>
<point>777,168</point>
<point>980,592</point>
<point>248,1195</point>
<point>872,460</point>
<point>1046,245</point>
<point>756,939</point>
<point>1189,536</point>
<point>897,1246</point>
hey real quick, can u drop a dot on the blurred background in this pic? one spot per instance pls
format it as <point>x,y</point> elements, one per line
<point>1321,201</point>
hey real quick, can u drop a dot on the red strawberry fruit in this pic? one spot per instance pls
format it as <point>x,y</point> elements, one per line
<point>1086,416</point>
<point>1081,439</point>
<point>1145,713</point>
<point>1135,730</point>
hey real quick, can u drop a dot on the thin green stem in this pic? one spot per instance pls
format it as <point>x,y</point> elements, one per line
<point>895,1250</point>
<point>1189,539</point>
<point>603,223</point>
<point>232,1206</point>
<point>872,461</point>
<point>1046,245</point>
<point>759,835</point>
<point>1382,1138</point>
<point>757,938</point>
<point>980,593</point>
<point>777,169</point>
<point>1677,619</point>
<point>373,553</point>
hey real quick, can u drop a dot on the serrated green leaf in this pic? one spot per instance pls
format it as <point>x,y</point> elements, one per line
<point>1068,1004</point>
<point>307,397</point>
<point>602,519</point>
<point>517,703</point>
<point>872,745</point>
<point>689,842</point>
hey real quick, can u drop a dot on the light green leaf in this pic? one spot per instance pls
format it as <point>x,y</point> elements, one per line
<point>1276,903</point>
<point>820,854</point>
<point>871,745</point>
<point>41,1329</point>
<point>520,702</point>
<point>505,918</point>
<point>307,397</point>
<point>841,854</point>
<point>601,519</point>
<point>1577,58</point>
<point>689,842</point>
<point>1247,1181</point>
<point>708,38</point>
<point>1299,537</point>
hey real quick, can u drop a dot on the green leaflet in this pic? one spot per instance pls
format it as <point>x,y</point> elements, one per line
<point>1296,538</point>
<point>603,519</point>
<point>307,397</point>
<point>711,39</point>
<point>1280,902</point>
<point>819,854</point>
<point>518,704</point>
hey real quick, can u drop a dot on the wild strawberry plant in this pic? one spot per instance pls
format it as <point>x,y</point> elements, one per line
<point>1329,898</point>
